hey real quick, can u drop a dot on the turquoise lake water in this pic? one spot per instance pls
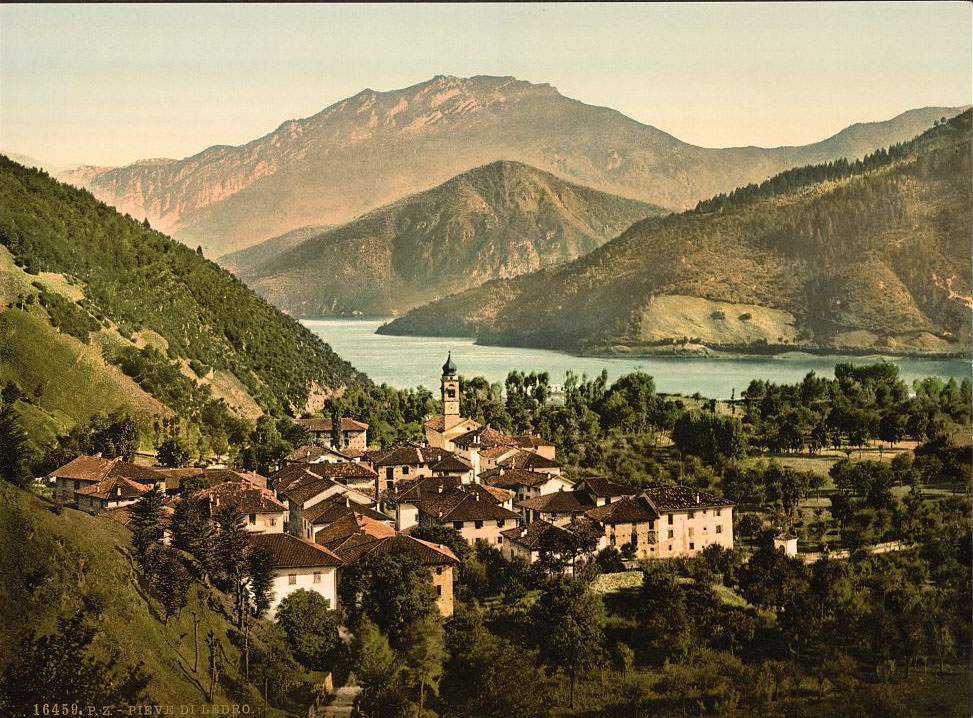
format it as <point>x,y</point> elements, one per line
<point>404,362</point>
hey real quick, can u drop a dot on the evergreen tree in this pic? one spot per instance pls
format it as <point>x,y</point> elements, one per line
<point>230,553</point>
<point>148,524</point>
<point>173,452</point>
<point>570,621</point>
<point>171,581</point>
<point>424,657</point>
<point>260,569</point>
<point>14,449</point>
<point>380,675</point>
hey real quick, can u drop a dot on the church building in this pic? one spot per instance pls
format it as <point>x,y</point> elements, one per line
<point>441,429</point>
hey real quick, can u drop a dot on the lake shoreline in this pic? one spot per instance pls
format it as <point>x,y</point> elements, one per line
<point>680,351</point>
<point>406,361</point>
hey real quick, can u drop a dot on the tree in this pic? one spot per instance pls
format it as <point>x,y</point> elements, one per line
<point>662,614</point>
<point>173,452</point>
<point>171,581</point>
<point>230,550</point>
<point>424,657</point>
<point>148,524</point>
<point>486,676</point>
<point>380,674</point>
<point>14,450</point>
<point>393,591</point>
<point>570,621</point>
<point>311,628</point>
<point>260,569</point>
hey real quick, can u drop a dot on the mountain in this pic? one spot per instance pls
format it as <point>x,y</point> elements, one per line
<point>499,220</point>
<point>377,147</point>
<point>242,260</point>
<point>867,255</point>
<point>99,311</point>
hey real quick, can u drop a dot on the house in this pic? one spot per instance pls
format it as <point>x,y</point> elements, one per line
<point>83,471</point>
<point>454,466</point>
<point>529,461</point>
<point>404,462</point>
<point>209,477</point>
<point>629,521</point>
<point>440,561</point>
<point>441,429</point>
<point>526,484</point>
<point>302,486</point>
<point>350,433</point>
<point>324,513</point>
<point>690,520</point>
<point>527,541</point>
<point>298,564</point>
<point>603,491</point>
<point>475,515</point>
<point>111,493</point>
<point>354,475</point>
<point>260,509</point>
<point>558,507</point>
<point>787,543</point>
<point>311,454</point>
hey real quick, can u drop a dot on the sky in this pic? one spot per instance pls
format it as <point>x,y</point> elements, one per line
<point>109,84</point>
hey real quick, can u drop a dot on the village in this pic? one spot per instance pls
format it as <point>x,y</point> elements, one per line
<point>337,500</point>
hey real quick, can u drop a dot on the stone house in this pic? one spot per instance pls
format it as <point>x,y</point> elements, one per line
<point>260,509</point>
<point>472,513</point>
<point>112,493</point>
<point>83,471</point>
<point>558,507</point>
<point>352,434</point>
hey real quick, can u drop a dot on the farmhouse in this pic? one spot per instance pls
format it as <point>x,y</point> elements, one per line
<point>299,564</point>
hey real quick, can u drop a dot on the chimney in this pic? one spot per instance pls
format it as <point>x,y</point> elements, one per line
<point>347,500</point>
<point>440,515</point>
<point>439,489</point>
<point>477,495</point>
<point>697,497</point>
<point>523,532</point>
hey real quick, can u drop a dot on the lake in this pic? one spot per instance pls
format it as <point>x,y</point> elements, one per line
<point>404,362</point>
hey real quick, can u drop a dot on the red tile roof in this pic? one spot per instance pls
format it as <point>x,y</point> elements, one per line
<point>334,507</point>
<point>530,461</point>
<point>682,498</point>
<point>345,424</point>
<point>605,487</point>
<point>531,535</point>
<point>508,478</point>
<point>407,454</point>
<point>559,502</point>
<point>624,511</point>
<point>95,468</point>
<point>425,552</point>
<point>292,552</point>
<point>459,505</point>
<point>114,487</point>
<point>244,498</point>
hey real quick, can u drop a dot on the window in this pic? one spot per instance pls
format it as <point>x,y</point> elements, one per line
<point>253,518</point>
<point>692,514</point>
<point>77,484</point>
<point>611,540</point>
<point>671,532</point>
<point>670,520</point>
<point>405,470</point>
<point>478,524</point>
<point>691,545</point>
<point>499,539</point>
<point>439,570</point>
<point>390,473</point>
<point>719,528</point>
<point>317,577</point>
<point>635,540</point>
<point>273,522</point>
<point>457,525</point>
<point>292,578</point>
<point>439,591</point>
<point>690,532</point>
<point>500,523</point>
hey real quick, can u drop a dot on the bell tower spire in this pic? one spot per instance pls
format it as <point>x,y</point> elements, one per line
<point>450,391</point>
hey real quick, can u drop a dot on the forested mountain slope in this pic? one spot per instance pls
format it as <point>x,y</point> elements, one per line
<point>101,311</point>
<point>499,220</point>
<point>377,147</point>
<point>865,255</point>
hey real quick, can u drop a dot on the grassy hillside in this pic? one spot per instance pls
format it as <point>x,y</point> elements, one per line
<point>56,565</point>
<point>866,255</point>
<point>87,291</point>
<point>499,220</point>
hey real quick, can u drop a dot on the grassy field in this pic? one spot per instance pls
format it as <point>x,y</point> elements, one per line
<point>80,554</point>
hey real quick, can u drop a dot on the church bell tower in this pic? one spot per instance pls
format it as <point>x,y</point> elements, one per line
<point>450,390</point>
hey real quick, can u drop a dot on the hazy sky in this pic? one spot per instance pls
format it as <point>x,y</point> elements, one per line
<point>110,84</point>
